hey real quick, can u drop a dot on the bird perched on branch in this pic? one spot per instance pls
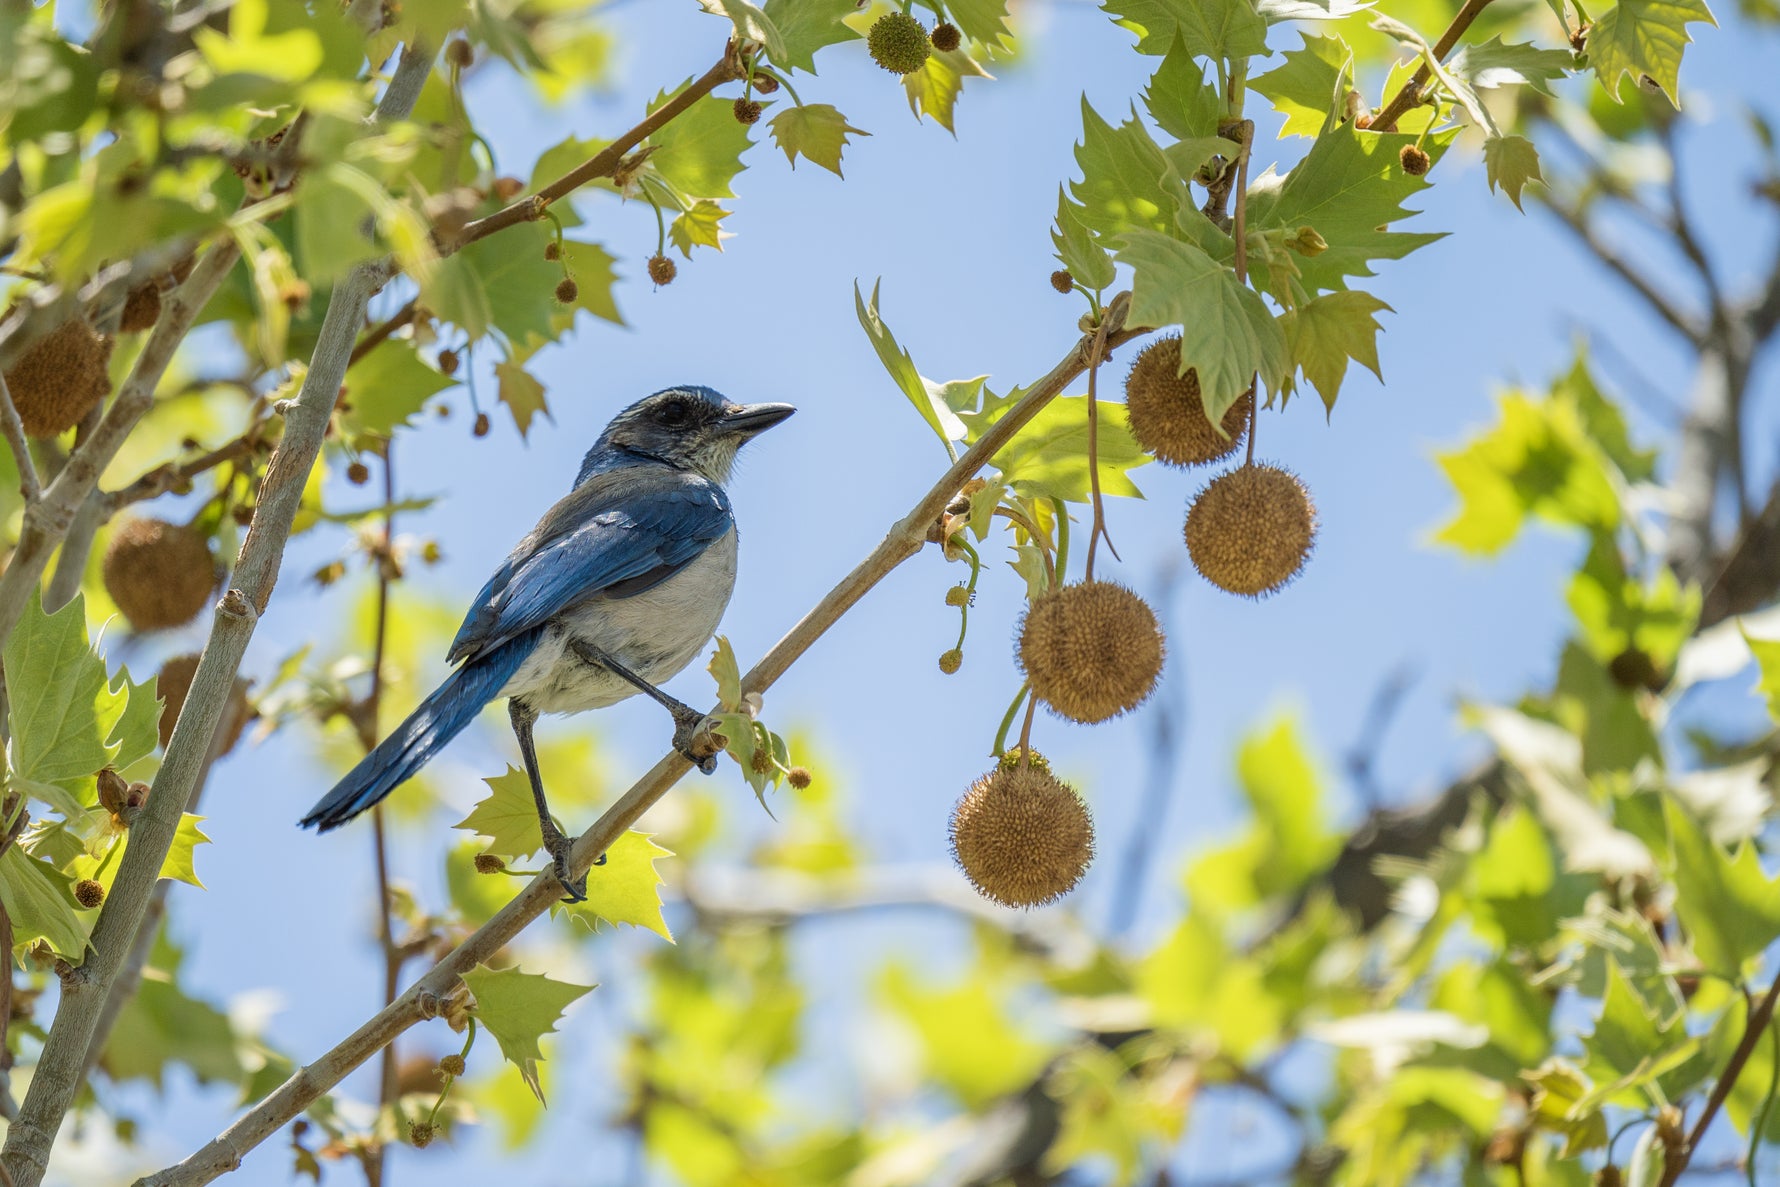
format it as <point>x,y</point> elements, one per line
<point>619,586</point>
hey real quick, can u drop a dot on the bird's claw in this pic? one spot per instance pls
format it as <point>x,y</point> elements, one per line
<point>574,889</point>
<point>696,740</point>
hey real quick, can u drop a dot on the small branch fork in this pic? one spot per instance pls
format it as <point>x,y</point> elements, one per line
<point>425,998</point>
<point>1410,93</point>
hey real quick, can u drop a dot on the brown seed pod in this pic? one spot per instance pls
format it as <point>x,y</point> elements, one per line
<point>508,188</point>
<point>747,111</point>
<point>480,428</point>
<point>567,290</point>
<point>358,473</point>
<point>553,250</point>
<point>765,84</point>
<point>1250,530</point>
<point>142,308</point>
<point>488,863</point>
<point>1167,414</point>
<point>1415,162</point>
<point>173,683</point>
<point>452,1065</point>
<point>1022,836</point>
<point>61,378</point>
<point>88,893</point>
<point>898,43</point>
<point>945,37</point>
<point>798,777</point>
<point>160,574</point>
<point>1062,281</point>
<point>448,360</point>
<point>420,1133</point>
<point>1636,668</point>
<point>459,53</point>
<point>1091,650</point>
<point>662,270</point>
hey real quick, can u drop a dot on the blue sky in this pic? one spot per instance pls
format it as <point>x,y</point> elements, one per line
<point>957,230</point>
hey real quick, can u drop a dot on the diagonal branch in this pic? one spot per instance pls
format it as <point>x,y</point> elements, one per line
<point>1579,226</point>
<point>1410,93</point>
<point>14,428</point>
<point>423,1000</point>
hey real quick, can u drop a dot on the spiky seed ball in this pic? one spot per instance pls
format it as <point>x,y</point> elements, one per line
<point>898,43</point>
<point>1250,530</point>
<point>142,308</point>
<point>448,360</point>
<point>88,893</point>
<point>951,661</point>
<point>421,1134</point>
<point>662,270</point>
<point>945,37</point>
<point>567,290</point>
<point>1415,161</point>
<point>958,595</point>
<point>553,250</point>
<point>173,683</point>
<point>1062,281</point>
<point>1167,415</point>
<point>480,428</point>
<point>799,778</point>
<point>1022,836</point>
<point>459,53</point>
<point>61,378</point>
<point>358,473</point>
<point>765,84</point>
<point>488,863</point>
<point>747,111</point>
<point>761,761</point>
<point>452,1065</point>
<point>160,574</point>
<point>1091,650</point>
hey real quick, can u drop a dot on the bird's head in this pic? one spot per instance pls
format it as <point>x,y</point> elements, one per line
<point>689,428</point>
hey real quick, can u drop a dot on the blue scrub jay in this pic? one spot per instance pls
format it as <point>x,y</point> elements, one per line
<point>619,586</point>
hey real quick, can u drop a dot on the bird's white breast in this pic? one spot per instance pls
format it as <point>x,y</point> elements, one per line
<point>655,634</point>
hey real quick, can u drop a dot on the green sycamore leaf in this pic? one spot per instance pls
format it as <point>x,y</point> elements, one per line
<point>624,887</point>
<point>927,396</point>
<point>697,226</point>
<point>1495,63</point>
<point>699,152</point>
<point>1048,458</point>
<point>727,673</point>
<point>518,1009</point>
<point>1078,249</point>
<point>969,1042</point>
<point>1179,98</point>
<point>1227,334</point>
<point>747,738</point>
<point>1275,11</point>
<point>1511,162</point>
<point>1348,188</point>
<point>817,131</point>
<point>1603,421</point>
<point>1617,611</point>
<point>516,283</point>
<point>1730,908</point>
<point>1630,1047</point>
<point>1325,333</point>
<point>39,900</point>
<point>1644,37</point>
<point>68,720</point>
<point>1767,659</point>
<point>1214,29</point>
<point>751,24</point>
<point>521,393</point>
<point>806,26</point>
<point>454,291</point>
<point>387,388</point>
<point>507,817</point>
<point>1311,87</point>
<point>177,865</point>
<point>982,21</point>
<point>1122,172</point>
<point>1558,1091</point>
<point>933,89</point>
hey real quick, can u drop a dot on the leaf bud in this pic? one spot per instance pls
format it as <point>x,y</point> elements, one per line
<point>508,188</point>
<point>765,84</point>
<point>112,790</point>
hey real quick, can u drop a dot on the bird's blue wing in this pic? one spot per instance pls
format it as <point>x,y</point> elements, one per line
<point>616,535</point>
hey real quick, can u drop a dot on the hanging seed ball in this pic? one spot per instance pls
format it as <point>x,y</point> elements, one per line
<point>553,250</point>
<point>765,84</point>
<point>142,308</point>
<point>945,37</point>
<point>898,43</point>
<point>958,595</point>
<point>1062,281</point>
<point>951,661</point>
<point>747,111</point>
<point>448,360</point>
<point>1636,668</point>
<point>488,863</point>
<point>480,428</point>
<point>799,778</point>
<point>1250,531</point>
<point>567,290</point>
<point>452,1065</point>
<point>1091,650</point>
<point>88,893</point>
<point>662,270</point>
<point>61,378</point>
<point>1022,836</point>
<point>421,1134</point>
<point>1415,161</point>
<point>358,473</point>
<point>1167,415</point>
<point>160,574</point>
<point>173,683</point>
<point>460,54</point>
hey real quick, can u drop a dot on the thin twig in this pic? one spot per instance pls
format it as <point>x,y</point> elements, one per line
<point>424,998</point>
<point>174,475</point>
<point>1759,1018</point>
<point>1410,93</point>
<point>1099,527</point>
<point>392,956</point>
<point>390,325</point>
<point>14,428</point>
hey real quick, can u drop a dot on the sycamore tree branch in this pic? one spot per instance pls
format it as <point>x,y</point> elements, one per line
<point>29,485</point>
<point>424,999</point>
<point>1410,93</point>
<point>61,1066</point>
<point>1576,221</point>
<point>1761,1015</point>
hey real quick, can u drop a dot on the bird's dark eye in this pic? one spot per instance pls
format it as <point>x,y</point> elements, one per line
<point>673,413</point>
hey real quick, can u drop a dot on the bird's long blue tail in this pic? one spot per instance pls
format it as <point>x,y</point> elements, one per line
<point>440,718</point>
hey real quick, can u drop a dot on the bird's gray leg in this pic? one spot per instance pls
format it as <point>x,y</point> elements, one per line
<point>523,718</point>
<point>688,722</point>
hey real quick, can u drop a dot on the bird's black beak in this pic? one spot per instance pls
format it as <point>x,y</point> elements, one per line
<point>748,420</point>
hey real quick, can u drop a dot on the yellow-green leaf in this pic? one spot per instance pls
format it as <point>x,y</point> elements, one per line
<point>507,816</point>
<point>519,1009</point>
<point>1644,38</point>
<point>624,887</point>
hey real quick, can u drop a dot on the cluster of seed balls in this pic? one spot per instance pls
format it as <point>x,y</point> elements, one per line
<point>1094,650</point>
